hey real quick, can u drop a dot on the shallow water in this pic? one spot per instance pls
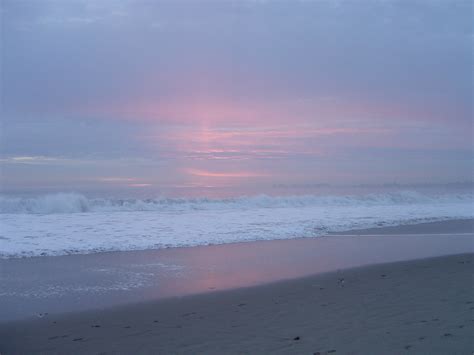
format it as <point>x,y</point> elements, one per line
<point>31,286</point>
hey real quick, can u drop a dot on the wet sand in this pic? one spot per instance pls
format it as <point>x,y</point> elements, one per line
<point>458,226</point>
<point>74,283</point>
<point>421,307</point>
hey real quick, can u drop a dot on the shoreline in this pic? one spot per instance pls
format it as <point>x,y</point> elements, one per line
<point>448,227</point>
<point>76,283</point>
<point>79,236</point>
<point>419,306</point>
<point>380,292</point>
<point>451,226</point>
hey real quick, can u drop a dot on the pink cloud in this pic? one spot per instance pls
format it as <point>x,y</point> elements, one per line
<point>214,174</point>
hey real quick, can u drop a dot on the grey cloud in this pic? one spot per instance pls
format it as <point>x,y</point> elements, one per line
<point>63,61</point>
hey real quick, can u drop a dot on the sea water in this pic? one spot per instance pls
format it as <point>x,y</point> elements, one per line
<point>71,223</point>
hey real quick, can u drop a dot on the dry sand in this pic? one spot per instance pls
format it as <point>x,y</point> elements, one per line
<point>421,307</point>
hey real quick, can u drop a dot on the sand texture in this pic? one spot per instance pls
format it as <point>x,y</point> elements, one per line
<point>420,307</point>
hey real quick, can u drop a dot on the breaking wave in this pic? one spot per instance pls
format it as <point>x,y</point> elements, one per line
<point>77,203</point>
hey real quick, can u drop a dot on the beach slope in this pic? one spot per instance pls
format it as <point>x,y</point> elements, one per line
<point>422,306</point>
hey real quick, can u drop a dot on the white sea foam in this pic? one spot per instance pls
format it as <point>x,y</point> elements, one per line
<point>71,223</point>
<point>77,203</point>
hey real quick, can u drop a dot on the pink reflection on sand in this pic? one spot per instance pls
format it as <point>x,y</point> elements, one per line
<point>222,267</point>
<point>236,265</point>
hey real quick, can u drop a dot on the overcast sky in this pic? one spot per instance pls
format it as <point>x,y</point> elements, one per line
<point>179,94</point>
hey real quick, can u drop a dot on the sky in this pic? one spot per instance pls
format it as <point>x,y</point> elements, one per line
<point>166,96</point>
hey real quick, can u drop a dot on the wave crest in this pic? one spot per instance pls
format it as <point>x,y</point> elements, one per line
<point>77,203</point>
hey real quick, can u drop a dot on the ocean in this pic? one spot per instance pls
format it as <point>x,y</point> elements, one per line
<point>73,223</point>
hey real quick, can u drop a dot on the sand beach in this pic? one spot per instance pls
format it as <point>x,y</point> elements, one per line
<point>423,306</point>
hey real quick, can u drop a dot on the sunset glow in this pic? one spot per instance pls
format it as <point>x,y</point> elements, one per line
<point>223,175</point>
<point>187,100</point>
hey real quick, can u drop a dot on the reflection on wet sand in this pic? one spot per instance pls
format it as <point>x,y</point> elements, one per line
<point>78,282</point>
